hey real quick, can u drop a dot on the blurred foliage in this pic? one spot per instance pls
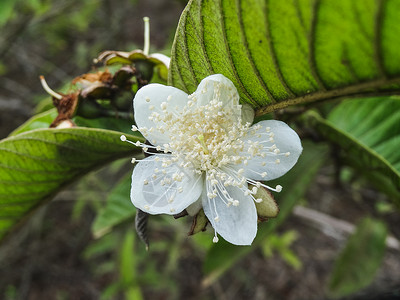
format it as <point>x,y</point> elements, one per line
<point>117,210</point>
<point>360,259</point>
<point>60,39</point>
<point>281,244</point>
<point>367,131</point>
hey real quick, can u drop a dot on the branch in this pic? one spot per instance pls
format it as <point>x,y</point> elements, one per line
<point>335,227</point>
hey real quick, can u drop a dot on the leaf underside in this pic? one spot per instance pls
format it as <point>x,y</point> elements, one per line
<point>34,165</point>
<point>281,53</point>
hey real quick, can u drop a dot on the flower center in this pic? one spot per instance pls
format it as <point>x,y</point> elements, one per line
<point>202,143</point>
<point>203,137</point>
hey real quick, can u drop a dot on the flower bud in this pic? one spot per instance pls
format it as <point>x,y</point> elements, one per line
<point>145,69</point>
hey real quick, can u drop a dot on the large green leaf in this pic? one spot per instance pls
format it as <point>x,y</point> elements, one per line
<point>34,165</point>
<point>360,259</point>
<point>281,53</point>
<point>368,133</point>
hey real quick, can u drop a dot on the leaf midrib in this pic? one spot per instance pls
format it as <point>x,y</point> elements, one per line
<point>354,90</point>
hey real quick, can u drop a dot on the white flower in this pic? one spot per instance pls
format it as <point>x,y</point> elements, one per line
<point>210,156</point>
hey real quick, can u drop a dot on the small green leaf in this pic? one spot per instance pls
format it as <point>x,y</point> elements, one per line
<point>127,261</point>
<point>118,60</point>
<point>128,268</point>
<point>36,164</point>
<point>100,247</point>
<point>42,120</point>
<point>281,53</point>
<point>360,259</point>
<point>117,210</point>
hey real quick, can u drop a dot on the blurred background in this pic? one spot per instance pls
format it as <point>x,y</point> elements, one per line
<point>61,254</point>
<point>60,39</point>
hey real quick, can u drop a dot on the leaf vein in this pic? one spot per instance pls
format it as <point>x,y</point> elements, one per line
<point>232,65</point>
<point>273,54</point>
<point>378,39</point>
<point>311,43</point>
<point>367,88</point>
<point>248,52</point>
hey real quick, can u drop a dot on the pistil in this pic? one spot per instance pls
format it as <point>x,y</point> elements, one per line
<point>203,143</point>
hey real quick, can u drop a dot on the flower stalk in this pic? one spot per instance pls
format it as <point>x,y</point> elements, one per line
<point>146,47</point>
<point>48,89</point>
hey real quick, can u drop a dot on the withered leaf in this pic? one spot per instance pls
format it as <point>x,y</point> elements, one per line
<point>141,220</point>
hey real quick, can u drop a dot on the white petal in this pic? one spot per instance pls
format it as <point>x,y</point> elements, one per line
<point>147,100</point>
<point>194,208</point>
<point>150,195</point>
<point>247,113</point>
<point>273,165</point>
<point>236,224</point>
<point>218,87</point>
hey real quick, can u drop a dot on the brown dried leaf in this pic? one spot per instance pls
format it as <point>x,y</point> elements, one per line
<point>66,107</point>
<point>141,220</point>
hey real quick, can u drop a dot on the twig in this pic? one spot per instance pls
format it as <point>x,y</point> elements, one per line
<point>327,224</point>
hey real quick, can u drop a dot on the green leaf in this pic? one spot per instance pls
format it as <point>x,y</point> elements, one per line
<point>6,10</point>
<point>368,133</point>
<point>42,120</point>
<point>36,164</point>
<point>117,210</point>
<point>100,247</point>
<point>360,259</point>
<point>128,268</point>
<point>281,244</point>
<point>281,53</point>
<point>223,255</point>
